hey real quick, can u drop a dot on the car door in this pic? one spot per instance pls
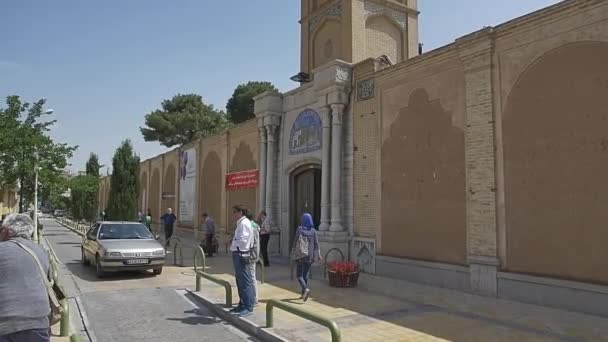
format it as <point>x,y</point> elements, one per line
<point>90,241</point>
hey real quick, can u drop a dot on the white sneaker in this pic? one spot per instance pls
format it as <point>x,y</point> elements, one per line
<point>306,294</point>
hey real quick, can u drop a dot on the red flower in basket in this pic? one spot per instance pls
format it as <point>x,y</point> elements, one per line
<point>343,267</point>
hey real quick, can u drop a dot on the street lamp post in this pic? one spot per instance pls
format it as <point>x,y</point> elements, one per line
<point>36,239</point>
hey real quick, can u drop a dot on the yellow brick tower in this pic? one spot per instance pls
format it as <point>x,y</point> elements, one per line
<point>353,30</point>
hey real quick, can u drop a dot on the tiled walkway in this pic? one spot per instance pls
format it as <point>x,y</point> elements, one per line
<point>414,313</point>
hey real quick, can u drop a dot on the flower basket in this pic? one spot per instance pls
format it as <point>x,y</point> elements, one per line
<point>343,274</point>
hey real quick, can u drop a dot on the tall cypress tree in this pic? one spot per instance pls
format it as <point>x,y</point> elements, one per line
<point>122,202</point>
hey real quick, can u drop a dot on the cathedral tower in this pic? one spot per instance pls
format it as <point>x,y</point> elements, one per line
<point>353,30</point>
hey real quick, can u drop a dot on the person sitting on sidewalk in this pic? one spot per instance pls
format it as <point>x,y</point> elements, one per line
<point>306,236</point>
<point>24,302</point>
<point>241,245</point>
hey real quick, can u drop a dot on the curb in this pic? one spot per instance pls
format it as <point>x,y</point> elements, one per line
<point>243,324</point>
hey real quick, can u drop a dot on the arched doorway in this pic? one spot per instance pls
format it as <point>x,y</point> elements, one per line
<point>305,196</point>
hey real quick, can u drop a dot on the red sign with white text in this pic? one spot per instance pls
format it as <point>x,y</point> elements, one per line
<point>242,180</point>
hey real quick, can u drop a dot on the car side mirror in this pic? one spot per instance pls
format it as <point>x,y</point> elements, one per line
<point>157,237</point>
<point>92,238</point>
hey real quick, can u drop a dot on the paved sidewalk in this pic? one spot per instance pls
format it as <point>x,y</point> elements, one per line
<point>415,313</point>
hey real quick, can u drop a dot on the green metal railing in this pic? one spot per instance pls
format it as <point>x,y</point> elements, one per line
<point>176,246</point>
<point>202,274</point>
<point>313,317</point>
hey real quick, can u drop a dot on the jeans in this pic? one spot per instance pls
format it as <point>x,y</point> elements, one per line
<point>244,281</point>
<point>168,232</point>
<point>209,243</point>
<point>33,335</point>
<point>302,272</point>
<point>264,238</point>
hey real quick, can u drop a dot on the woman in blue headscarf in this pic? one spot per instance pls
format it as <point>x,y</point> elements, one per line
<point>305,257</point>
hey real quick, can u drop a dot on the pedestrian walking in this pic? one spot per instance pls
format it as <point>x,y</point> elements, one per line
<point>265,230</point>
<point>168,220</point>
<point>149,220</point>
<point>305,252</point>
<point>242,243</point>
<point>24,301</point>
<point>208,227</point>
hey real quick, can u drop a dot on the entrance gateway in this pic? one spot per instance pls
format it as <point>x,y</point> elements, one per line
<point>306,196</point>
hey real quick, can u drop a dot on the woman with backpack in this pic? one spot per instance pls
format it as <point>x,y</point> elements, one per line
<point>305,251</point>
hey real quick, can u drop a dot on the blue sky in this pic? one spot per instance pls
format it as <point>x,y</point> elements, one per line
<point>102,65</point>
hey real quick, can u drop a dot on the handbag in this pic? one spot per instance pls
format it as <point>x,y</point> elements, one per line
<point>56,309</point>
<point>300,248</point>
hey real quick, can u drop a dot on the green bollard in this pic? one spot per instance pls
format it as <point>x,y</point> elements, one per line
<point>65,319</point>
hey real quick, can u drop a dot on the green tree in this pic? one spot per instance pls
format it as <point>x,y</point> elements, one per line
<point>182,119</point>
<point>92,168</point>
<point>240,105</point>
<point>83,197</point>
<point>122,201</point>
<point>83,191</point>
<point>25,145</point>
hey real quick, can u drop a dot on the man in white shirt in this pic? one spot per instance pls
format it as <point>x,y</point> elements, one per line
<point>241,243</point>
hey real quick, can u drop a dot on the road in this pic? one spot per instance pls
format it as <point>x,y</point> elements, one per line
<point>133,306</point>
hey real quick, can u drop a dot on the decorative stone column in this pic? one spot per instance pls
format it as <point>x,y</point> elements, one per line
<point>262,168</point>
<point>325,167</point>
<point>270,162</point>
<point>337,110</point>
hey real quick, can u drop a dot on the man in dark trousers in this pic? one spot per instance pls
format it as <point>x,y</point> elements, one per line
<point>168,220</point>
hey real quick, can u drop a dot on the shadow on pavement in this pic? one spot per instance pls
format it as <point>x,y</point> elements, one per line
<point>199,318</point>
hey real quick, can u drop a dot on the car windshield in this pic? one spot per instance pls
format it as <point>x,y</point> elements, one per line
<point>113,231</point>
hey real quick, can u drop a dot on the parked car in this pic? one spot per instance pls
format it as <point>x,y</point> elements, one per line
<point>122,246</point>
<point>59,213</point>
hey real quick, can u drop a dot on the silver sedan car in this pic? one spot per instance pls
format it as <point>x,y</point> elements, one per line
<point>122,246</point>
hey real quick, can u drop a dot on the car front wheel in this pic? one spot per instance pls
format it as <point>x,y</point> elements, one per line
<point>158,271</point>
<point>98,270</point>
<point>84,258</point>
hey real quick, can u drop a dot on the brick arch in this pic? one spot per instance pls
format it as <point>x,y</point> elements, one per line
<point>383,36</point>
<point>241,161</point>
<point>211,186</point>
<point>423,184</point>
<point>154,195</point>
<point>143,198</point>
<point>169,188</point>
<point>556,159</point>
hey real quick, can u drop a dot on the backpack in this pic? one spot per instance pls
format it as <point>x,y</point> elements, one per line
<point>56,308</point>
<point>254,251</point>
<point>300,247</point>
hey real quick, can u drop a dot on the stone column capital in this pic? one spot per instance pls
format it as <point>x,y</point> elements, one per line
<point>325,113</point>
<point>262,132</point>
<point>271,130</point>
<point>337,109</point>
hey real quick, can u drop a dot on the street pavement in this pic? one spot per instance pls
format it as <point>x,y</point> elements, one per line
<point>132,306</point>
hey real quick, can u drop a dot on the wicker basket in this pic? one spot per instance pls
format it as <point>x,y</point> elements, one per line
<point>342,279</point>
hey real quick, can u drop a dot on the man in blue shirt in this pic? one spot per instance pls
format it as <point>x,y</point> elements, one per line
<point>168,220</point>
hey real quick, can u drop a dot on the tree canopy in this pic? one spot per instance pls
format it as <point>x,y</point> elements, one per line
<point>122,201</point>
<point>92,167</point>
<point>25,146</point>
<point>182,119</point>
<point>240,105</point>
<point>83,191</point>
